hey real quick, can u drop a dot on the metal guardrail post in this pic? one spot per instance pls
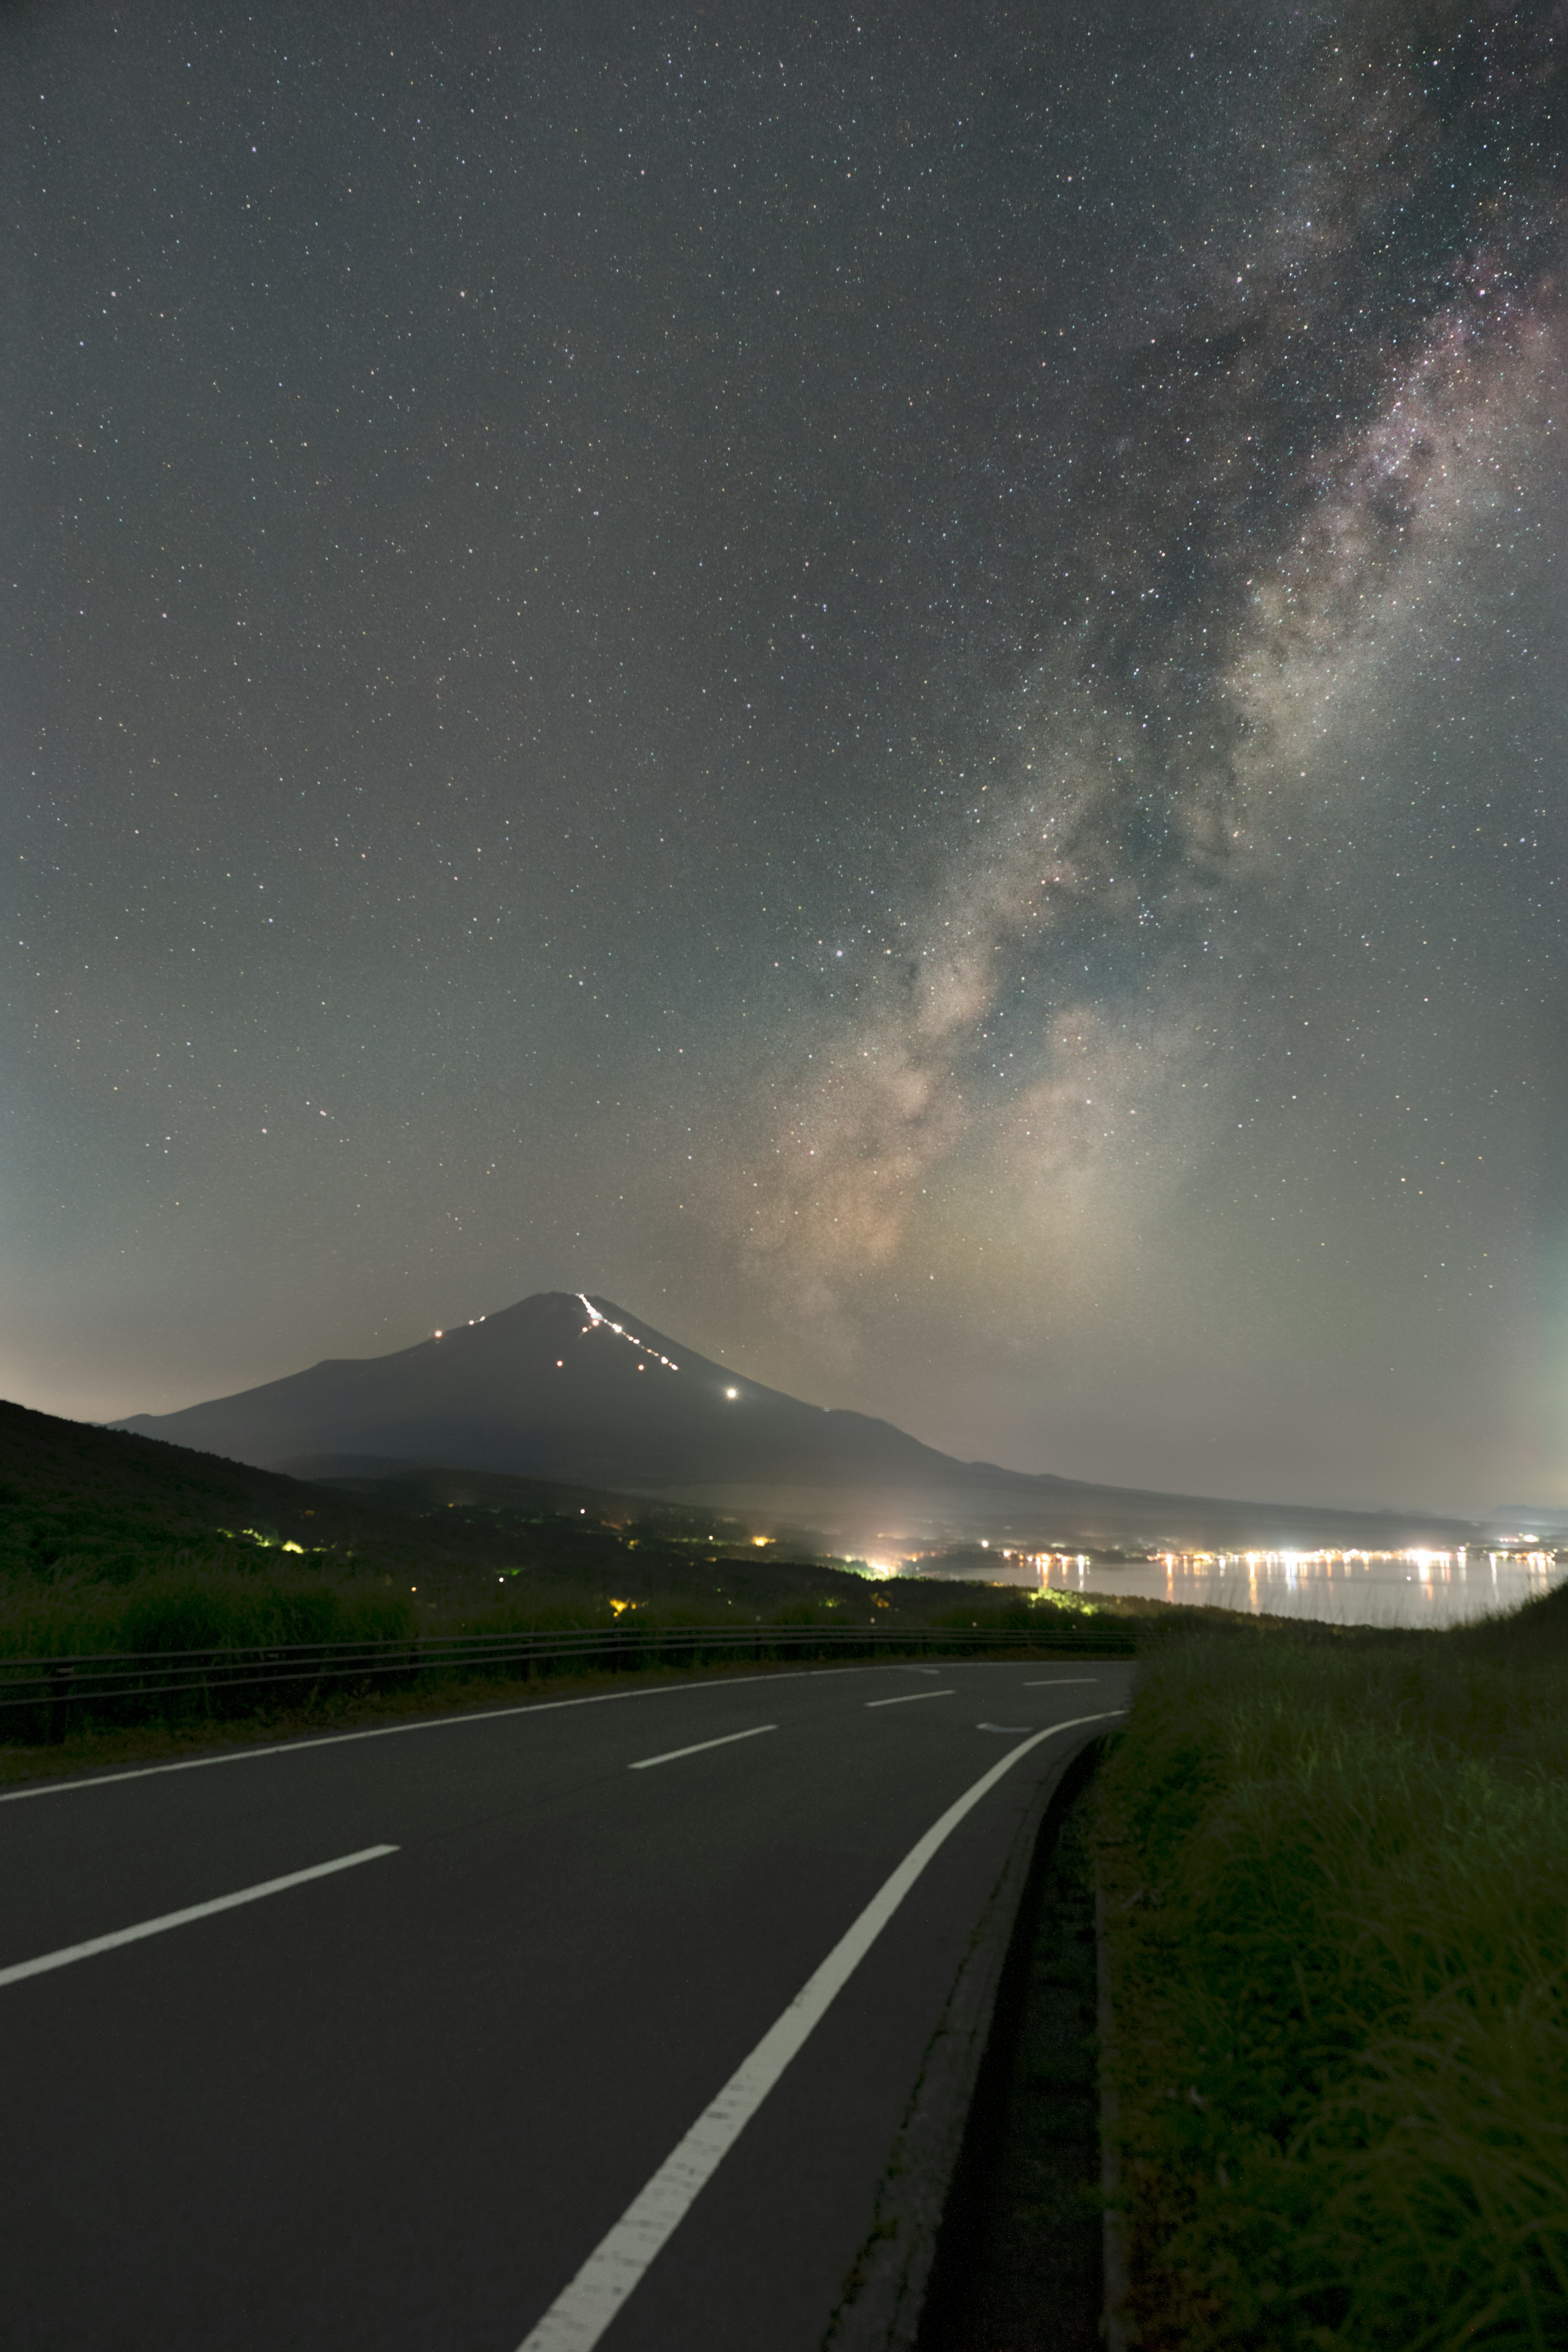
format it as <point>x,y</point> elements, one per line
<point>60,1681</point>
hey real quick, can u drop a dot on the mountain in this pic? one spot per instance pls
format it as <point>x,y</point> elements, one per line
<point>559,1387</point>
<point>562,1386</point>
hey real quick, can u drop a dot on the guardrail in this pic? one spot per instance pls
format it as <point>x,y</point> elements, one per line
<point>118,1685</point>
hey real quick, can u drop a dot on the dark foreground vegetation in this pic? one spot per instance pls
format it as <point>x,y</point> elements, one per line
<point>1336,1876</point>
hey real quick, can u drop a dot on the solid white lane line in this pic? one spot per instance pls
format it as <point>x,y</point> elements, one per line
<point>672,1755</point>
<point>424,1723</point>
<point>70,1952</point>
<point>1062,1682</point>
<point>907,1698</point>
<point>584,2308</point>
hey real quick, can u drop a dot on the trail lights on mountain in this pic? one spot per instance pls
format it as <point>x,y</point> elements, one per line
<point>597,1322</point>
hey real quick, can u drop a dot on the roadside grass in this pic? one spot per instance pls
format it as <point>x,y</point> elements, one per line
<point>186,1605</point>
<point>1336,1877</point>
<point>214,1604</point>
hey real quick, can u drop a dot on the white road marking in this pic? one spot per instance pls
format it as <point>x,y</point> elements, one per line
<point>907,1698</point>
<point>673,1754</point>
<point>1062,1682</point>
<point>95,1944</point>
<point>1003,1727</point>
<point>424,1723</point>
<point>584,2308</point>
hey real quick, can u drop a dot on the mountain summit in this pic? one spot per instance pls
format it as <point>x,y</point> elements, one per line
<point>568,1387</point>
<point>560,1386</point>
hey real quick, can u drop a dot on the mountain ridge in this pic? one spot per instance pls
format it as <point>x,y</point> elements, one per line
<point>566,1385</point>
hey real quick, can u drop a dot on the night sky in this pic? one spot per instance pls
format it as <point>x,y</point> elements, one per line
<point>890,686</point>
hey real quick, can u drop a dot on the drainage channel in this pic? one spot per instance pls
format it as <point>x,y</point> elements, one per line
<point>1018,2264</point>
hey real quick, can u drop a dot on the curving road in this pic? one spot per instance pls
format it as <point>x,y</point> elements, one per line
<point>580,2021</point>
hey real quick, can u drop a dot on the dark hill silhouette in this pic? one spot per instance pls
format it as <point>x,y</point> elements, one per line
<point>563,1387</point>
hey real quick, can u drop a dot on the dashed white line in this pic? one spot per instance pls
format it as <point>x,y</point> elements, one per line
<point>586,2307</point>
<point>673,1754</point>
<point>422,1723</point>
<point>1063,1682</point>
<point>907,1698</point>
<point>95,1944</point>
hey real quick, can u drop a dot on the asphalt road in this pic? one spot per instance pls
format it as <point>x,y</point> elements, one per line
<point>401,2103</point>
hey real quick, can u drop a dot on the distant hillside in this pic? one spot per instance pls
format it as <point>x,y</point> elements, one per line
<point>82,1508</point>
<point>568,1389</point>
<point>78,1500</point>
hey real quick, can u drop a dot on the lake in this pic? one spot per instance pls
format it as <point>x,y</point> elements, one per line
<point>1390,1588</point>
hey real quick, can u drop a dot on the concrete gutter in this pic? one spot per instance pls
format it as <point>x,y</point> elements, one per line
<point>885,2292</point>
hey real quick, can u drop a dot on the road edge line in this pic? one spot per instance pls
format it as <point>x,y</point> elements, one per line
<point>598,2290</point>
<point>883,2300</point>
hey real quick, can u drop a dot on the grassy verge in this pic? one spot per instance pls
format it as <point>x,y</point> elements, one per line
<point>212,1608</point>
<point>1336,1870</point>
<point>176,1607</point>
<point>173,1606</point>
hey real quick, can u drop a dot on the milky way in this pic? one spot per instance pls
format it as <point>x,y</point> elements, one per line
<point>898,699</point>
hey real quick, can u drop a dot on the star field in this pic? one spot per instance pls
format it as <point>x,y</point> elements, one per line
<point>890,686</point>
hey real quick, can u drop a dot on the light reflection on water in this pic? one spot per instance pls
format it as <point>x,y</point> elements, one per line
<point>1346,1588</point>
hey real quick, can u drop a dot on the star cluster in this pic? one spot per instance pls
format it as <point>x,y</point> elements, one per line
<point>891,688</point>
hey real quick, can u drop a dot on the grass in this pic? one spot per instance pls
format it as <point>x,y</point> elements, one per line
<point>180,1607</point>
<point>219,1608</point>
<point>1336,1871</point>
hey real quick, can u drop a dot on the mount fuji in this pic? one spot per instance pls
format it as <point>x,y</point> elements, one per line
<point>572,1387</point>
